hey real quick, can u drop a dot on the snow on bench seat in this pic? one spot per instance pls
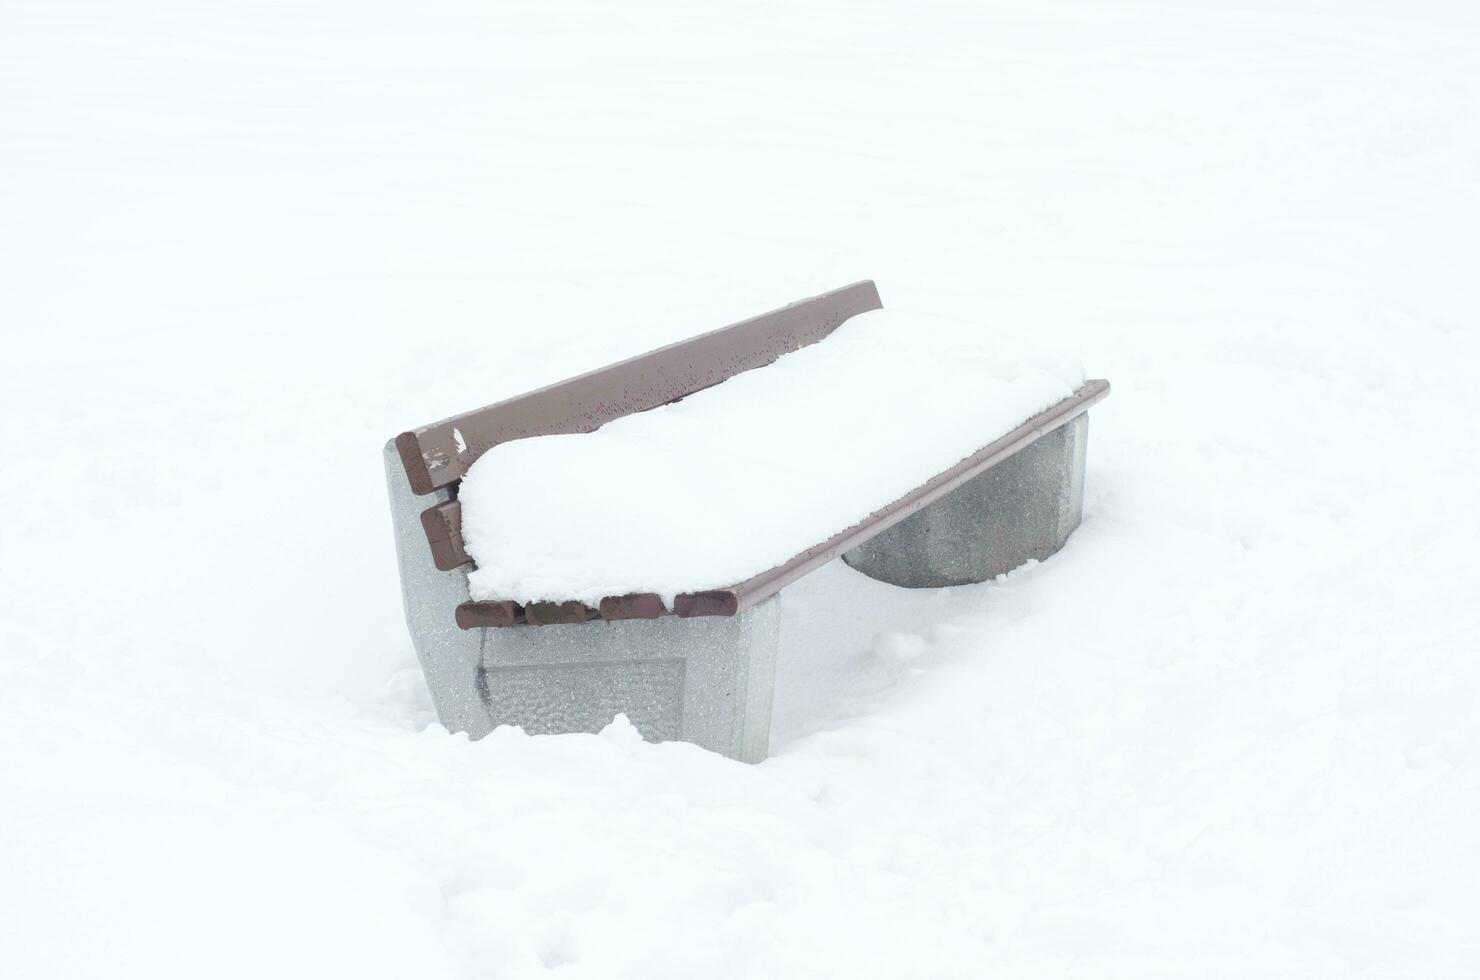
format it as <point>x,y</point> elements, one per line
<point>736,479</point>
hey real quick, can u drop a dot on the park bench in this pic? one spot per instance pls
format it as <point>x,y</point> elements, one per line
<point>618,600</point>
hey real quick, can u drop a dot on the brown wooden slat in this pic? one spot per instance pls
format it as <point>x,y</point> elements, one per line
<point>438,455</point>
<point>640,605</point>
<point>716,602</point>
<point>554,613</point>
<point>472,615</point>
<point>443,526</point>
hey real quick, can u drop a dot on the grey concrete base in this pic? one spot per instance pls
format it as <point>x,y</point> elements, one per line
<point>707,680</point>
<point>1024,507</point>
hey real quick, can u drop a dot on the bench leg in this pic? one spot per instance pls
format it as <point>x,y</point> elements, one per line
<point>706,680</point>
<point>1024,507</point>
<point>449,656</point>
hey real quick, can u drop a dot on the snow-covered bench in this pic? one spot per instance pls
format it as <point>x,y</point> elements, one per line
<point>630,558</point>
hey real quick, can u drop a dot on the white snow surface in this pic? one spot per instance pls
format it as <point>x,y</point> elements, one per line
<point>1231,730</point>
<point>740,477</point>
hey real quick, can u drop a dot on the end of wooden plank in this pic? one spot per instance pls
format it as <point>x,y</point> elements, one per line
<point>555,613</point>
<point>408,447</point>
<point>475,615</point>
<point>443,527</point>
<point>639,605</point>
<point>716,602</point>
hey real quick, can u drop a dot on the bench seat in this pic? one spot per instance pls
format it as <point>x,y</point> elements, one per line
<point>712,490</point>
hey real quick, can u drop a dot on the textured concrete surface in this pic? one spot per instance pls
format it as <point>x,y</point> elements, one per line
<point>707,680</point>
<point>1024,507</point>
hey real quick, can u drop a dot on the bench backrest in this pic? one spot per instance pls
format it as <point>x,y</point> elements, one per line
<point>438,455</point>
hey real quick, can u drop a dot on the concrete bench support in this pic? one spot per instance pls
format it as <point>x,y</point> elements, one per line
<point>706,680</point>
<point>1024,507</point>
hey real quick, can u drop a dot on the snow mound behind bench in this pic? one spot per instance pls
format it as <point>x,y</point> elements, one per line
<point>732,480</point>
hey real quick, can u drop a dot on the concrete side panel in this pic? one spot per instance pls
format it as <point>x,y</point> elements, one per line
<point>1025,507</point>
<point>707,680</point>
<point>585,697</point>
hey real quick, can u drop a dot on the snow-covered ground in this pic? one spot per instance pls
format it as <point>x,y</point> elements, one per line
<point>1233,729</point>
